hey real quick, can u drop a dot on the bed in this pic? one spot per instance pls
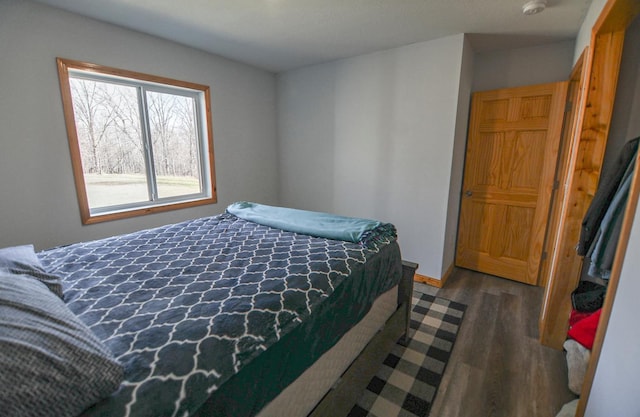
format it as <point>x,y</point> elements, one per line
<point>230,315</point>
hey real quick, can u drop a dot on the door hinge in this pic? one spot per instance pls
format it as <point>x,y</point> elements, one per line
<point>556,185</point>
<point>543,256</point>
<point>568,106</point>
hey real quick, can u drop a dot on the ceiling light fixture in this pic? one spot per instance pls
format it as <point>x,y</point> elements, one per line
<point>534,7</point>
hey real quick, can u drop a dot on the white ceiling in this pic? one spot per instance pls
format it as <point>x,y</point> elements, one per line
<point>279,35</point>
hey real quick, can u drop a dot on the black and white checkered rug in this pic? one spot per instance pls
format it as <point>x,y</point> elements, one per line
<point>407,382</point>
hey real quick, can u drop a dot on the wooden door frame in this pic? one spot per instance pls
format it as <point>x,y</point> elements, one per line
<point>600,76</point>
<point>616,16</point>
<point>587,151</point>
<point>573,116</point>
<point>616,269</point>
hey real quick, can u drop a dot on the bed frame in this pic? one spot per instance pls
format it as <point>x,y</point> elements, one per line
<point>346,392</point>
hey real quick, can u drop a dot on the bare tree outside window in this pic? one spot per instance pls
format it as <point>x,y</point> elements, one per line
<point>108,126</point>
<point>141,143</point>
<point>173,134</point>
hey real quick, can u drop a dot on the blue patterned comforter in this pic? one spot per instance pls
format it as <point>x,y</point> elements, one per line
<point>184,307</point>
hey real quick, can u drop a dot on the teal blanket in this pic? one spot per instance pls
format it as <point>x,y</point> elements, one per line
<point>328,226</point>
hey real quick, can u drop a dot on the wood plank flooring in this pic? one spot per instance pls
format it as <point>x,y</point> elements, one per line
<point>498,368</point>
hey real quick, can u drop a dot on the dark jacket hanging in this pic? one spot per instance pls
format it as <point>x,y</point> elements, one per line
<point>603,249</point>
<point>604,196</point>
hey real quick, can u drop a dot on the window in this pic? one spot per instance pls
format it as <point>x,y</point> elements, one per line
<point>139,143</point>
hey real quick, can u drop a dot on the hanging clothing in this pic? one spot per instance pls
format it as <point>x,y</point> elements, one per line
<point>603,249</point>
<point>604,195</point>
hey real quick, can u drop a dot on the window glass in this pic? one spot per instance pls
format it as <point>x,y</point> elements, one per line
<point>111,147</point>
<point>139,143</point>
<point>172,121</point>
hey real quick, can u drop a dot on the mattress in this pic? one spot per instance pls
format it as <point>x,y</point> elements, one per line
<point>299,398</point>
<point>204,311</point>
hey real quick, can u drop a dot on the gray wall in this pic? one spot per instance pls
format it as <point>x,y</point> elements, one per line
<point>615,386</point>
<point>373,136</point>
<point>380,135</point>
<point>383,135</point>
<point>39,203</point>
<point>523,66</point>
<point>584,35</point>
<point>459,148</point>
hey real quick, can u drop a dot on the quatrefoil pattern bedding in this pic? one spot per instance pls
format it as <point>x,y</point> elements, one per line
<point>184,307</point>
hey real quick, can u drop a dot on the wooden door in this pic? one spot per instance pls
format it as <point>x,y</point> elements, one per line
<point>509,169</point>
<point>570,125</point>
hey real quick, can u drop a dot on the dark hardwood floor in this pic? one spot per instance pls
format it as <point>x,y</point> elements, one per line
<point>498,368</point>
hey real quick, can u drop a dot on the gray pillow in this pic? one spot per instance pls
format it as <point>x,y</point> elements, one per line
<point>22,260</point>
<point>51,364</point>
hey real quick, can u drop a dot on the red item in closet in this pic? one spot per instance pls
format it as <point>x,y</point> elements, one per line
<point>584,331</point>
<point>576,316</point>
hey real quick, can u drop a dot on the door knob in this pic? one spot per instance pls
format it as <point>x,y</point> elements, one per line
<point>468,193</point>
